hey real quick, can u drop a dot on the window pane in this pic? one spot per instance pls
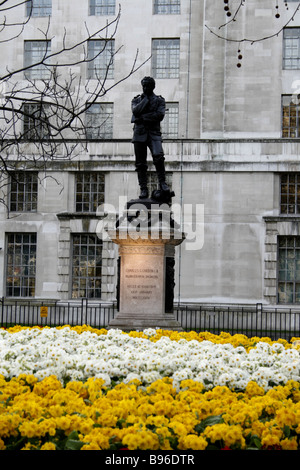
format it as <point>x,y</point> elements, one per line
<point>291,48</point>
<point>87,266</point>
<point>39,8</point>
<point>89,194</point>
<point>36,124</point>
<point>290,116</point>
<point>101,59</point>
<point>165,58</point>
<point>290,193</point>
<point>20,264</point>
<point>35,52</point>
<point>288,269</point>
<point>102,7</point>
<point>169,125</point>
<point>99,121</point>
<point>166,7</point>
<point>23,192</point>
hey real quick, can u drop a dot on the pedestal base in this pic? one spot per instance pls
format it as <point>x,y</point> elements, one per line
<point>134,321</point>
<point>146,245</point>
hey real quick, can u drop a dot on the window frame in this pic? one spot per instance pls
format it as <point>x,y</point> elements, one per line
<point>284,281</point>
<point>165,58</point>
<point>26,290</point>
<point>170,123</point>
<point>40,71</point>
<point>288,131</point>
<point>101,62</point>
<point>289,194</point>
<point>26,200</point>
<point>36,125</point>
<point>105,127</point>
<point>294,61</point>
<point>94,198</point>
<point>43,8</point>
<point>96,290</point>
<point>166,7</point>
<point>105,7</point>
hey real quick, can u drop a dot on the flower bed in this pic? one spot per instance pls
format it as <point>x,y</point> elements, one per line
<point>80,388</point>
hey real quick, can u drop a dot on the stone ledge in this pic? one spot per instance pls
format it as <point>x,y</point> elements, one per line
<point>77,215</point>
<point>128,322</point>
<point>281,218</point>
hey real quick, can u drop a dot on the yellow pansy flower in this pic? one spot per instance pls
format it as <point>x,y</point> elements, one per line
<point>191,441</point>
<point>48,446</point>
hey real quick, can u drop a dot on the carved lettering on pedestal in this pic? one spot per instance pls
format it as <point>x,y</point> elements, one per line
<point>142,283</point>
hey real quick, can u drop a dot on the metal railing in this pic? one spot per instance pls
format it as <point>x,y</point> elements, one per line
<point>56,313</point>
<point>254,320</point>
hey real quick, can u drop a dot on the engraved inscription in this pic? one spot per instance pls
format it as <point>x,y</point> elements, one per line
<point>141,282</point>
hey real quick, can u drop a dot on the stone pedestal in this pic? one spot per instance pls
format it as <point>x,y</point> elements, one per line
<point>146,248</point>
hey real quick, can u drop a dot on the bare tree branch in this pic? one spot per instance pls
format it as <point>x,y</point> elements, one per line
<point>250,40</point>
<point>42,120</point>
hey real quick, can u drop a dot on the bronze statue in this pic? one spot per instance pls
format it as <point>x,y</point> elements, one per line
<point>148,110</point>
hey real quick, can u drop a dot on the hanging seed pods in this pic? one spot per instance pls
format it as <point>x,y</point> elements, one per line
<point>227,8</point>
<point>240,56</point>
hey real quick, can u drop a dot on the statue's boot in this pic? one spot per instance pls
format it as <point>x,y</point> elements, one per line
<point>142,178</point>
<point>161,175</point>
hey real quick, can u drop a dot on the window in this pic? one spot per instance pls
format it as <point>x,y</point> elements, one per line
<point>23,192</point>
<point>165,58</point>
<point>89,191</point>
<point>290,116</point>
<point>20,264</point>
<point>291,48</point>
<point>39,8</point>
<point>99,121</point>
<point>87,266</point>
<point>290,193</point>
<point>36,121</point>
<point>169,125</point>
<point>289,269</point>
<point>166,7</point>
<point>35,53</point>
<point>102,7</point>
<point>100,58</point>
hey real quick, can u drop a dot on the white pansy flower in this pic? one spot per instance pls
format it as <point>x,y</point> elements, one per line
<point>105,377</point>
<point>150,377</point>
<point>150,332</point>
<point>183,374</point>
<point>76,375</point>
<point>67,354</point>
<point>132,376</point>
<point>289,355</point>
<point>204,377</point>
<point>223,379</point>
<point>277,347</point>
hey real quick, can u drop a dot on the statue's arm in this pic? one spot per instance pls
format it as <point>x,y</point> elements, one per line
<point>138,106</point>
<point>156,115</point>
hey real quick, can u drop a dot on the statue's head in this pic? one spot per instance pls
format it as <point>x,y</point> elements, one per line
<point>148,83</point>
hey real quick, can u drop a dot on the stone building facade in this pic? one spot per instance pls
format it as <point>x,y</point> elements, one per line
<point>231,142</point>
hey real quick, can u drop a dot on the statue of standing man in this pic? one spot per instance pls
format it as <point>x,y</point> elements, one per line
<point>148,110</point>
